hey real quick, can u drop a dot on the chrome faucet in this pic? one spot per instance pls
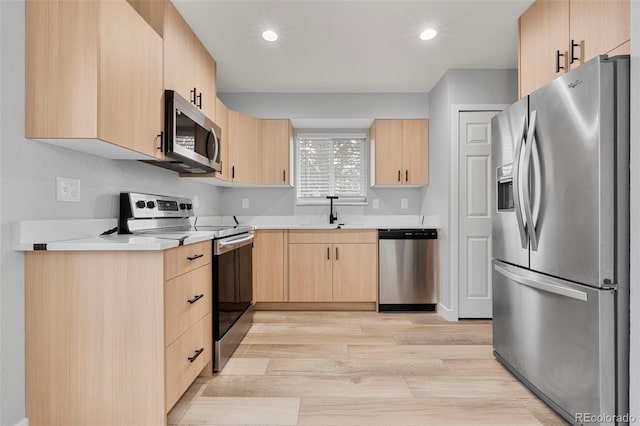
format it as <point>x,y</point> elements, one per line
<point>332,217</point>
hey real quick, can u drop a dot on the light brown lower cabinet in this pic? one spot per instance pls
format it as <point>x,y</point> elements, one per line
<point>268,265</point>
<point>110,338</point>
<point>333,266</point>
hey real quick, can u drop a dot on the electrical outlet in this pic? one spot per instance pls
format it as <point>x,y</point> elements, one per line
<point>245,203</point>
<point>67,189</point>
<point>404,203</point>
<point>376,203</point>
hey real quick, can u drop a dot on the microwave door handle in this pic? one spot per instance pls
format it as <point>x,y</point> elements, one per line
<point>516,184</point>
<point>216,144</point>
<point>531,141</point>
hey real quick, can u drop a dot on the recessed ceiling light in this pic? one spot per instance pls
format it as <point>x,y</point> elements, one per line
<point>428,34</point>
<point>270,35</point>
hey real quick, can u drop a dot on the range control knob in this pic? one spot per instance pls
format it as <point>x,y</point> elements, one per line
<point>183,206</point>
<point>140,204</point>
<point>151,204</point>
<point>189,206</point>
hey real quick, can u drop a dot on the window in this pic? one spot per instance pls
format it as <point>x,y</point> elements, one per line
<point>331,165</point>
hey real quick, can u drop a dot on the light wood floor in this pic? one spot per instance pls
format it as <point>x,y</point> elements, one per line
<point>362,368</point>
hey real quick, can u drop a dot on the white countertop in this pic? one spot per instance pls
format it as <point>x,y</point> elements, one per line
<point>84,235</point>
<point>321,222</point>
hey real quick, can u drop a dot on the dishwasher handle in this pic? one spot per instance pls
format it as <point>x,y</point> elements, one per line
<point>407,234</point>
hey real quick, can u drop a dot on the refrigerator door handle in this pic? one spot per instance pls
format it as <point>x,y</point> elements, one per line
<point>516,184</point>
<point>530,142</point>
<point>548,284</point>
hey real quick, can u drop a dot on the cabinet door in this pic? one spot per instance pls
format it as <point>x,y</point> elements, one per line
<point>245,133</point>
<point>544,30</point>
<point>598,27</point>
<point>61,64</point>
<point>355,272</point>
<point>179,56</point>
<point>151,11</point>
<point>276,141</point>
<point>310,277</point>
<point>222,120</point>
<point>268,266</point>
<point>386,148</point>
<point>415,152</point>
<point>205,80</point>
<point>130,86</point>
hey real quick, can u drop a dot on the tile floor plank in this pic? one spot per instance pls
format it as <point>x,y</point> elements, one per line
<point>356,367</point>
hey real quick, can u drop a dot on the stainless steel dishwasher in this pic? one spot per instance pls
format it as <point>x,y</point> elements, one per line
<point>407,269</point>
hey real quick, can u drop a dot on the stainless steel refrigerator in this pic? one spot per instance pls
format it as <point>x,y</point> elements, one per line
<point>560,230</point>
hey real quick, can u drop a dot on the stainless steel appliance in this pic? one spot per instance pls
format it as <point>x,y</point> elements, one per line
<point>174,218</point>
<point>191,140</point>
<point>561,241</point>
<point>407,269</point>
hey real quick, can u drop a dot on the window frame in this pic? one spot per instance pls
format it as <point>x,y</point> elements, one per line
<point>350,201</point>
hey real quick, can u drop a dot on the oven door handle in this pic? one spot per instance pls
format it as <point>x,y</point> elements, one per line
<point>228,244</point>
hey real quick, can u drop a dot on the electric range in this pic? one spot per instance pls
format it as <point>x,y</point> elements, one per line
<point>174,218</point>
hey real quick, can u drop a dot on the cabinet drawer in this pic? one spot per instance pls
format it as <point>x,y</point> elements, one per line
<point>187,298</point>
<point>311,236</point>
<point>183,259</point>
<point>180,370</point>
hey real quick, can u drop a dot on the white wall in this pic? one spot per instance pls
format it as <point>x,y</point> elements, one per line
<point>27,188</point>
<point>457,86</point>
<point>634,373</point>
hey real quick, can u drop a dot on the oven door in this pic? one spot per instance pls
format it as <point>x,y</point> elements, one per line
<point>191,137</point>
<point>232,280</point>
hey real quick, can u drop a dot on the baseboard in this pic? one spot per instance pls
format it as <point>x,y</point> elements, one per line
<point>315,306</point>
<point>447,314</point>
<point>23,422</point>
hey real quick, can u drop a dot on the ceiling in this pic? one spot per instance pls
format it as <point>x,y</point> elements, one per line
<point>328,46</point>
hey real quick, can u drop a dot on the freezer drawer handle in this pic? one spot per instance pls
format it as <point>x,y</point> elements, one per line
<point>541,284</point>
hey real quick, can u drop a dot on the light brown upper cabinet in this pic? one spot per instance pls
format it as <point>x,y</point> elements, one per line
<point>93,75</point>
<point>188,67</point>
<point>277,141</point>
<point>245,140</point>
<point>544,44</point>
<point>399,152</point>
<point>598,27</point>
<point>558,35</point>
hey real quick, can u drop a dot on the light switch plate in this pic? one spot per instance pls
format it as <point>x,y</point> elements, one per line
<point>245,203</point>
<point>67,189</point>
<point>375,204</point>
<point>404,203</point>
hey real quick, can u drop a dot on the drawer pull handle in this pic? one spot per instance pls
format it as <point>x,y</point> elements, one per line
<point>196,355</point>
<point>195,299</point>
<point>194,257</point>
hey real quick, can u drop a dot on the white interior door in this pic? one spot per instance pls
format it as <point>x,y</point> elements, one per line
<point>474,214</point>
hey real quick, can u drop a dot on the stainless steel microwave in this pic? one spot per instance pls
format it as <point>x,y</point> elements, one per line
<point>191,140</point>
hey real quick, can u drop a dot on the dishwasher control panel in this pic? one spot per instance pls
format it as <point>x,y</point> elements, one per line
<point>407,234</point>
